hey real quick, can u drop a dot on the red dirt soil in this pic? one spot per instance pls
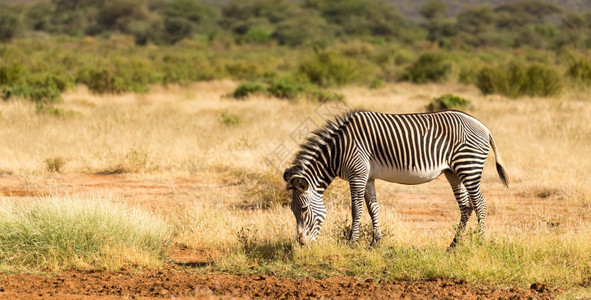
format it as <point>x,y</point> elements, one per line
<point>172,282</point>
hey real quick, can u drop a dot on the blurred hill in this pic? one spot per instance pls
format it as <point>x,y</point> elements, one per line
<point>411,8</point>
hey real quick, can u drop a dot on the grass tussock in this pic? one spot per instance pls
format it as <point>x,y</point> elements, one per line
<point>68,232</point>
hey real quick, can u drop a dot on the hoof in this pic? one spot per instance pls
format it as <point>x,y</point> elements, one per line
<point>375,243</point>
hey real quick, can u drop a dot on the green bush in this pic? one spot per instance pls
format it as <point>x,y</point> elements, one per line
<point>101,80</point>
<point>47,90</point>
<point>247,89</point>
<point>244,70</point>
<point>328,68</point>
<point>519,80</point>
<point>448,101</point>
<point>257,35</point>
<point>10,74</point>
<point>543,81</point>
<point>125,78</point>
<point>579,70</point>
<point>285,89</point>
<point>430,67</point>
<point>37,93</point>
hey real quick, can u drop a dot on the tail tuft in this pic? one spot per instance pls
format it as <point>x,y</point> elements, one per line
<point>500,169</point>
<point>503,174</point>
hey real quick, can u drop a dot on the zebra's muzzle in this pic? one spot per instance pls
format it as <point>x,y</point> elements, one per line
<point>302,239</point>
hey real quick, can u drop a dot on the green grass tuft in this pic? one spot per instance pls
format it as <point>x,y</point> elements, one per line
<point>67,232</point>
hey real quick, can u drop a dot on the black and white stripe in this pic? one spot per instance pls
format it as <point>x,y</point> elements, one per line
<point>362,146</point>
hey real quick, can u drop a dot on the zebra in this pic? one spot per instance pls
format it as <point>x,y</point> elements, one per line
<point>362,146</point>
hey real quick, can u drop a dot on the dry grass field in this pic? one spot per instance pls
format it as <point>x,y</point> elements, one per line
<point>194,164</point>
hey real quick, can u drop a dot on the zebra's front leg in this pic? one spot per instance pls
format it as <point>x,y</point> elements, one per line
<point>373,207</point>
<point>464,204</point>
<point>357,193</point>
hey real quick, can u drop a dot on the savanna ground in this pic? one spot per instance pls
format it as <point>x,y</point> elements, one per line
<point>171,194</point>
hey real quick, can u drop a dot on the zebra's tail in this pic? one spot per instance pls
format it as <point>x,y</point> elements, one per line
<point>499,162</point>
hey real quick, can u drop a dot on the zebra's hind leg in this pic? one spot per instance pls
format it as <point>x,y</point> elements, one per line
<point>373,207</point>
<point>472,185</point>
<point>463,199</point>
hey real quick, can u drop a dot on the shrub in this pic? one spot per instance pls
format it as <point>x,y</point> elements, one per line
<point>66,232</point>
<point>542,81</point>
<point>247,89</point>
<point>448,101</point>
<point>128,77</point>
<point>101,80</point>
<point>10,74</point>
<point>579,70</point>
<point>244,70</point>
<point>328,68</point>
<point>285,89</point>
<point>518,80</point>
<point>257,35</point>
<point>430,67</point>
<point>37,93</point>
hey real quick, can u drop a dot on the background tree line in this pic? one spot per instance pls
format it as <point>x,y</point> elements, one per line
<point>288,49</point>
<point>510,25</point>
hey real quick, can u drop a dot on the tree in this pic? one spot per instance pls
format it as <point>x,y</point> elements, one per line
<point>73,5</point>
<point>359,17</point>
<point>516,15</point>
<point>305,27</point>
<point>38,17</point>
<point>242,16</point>
<point>183,18</point>
<point>10,24</point>
<point>119,14</point>
<point>433,9</point>
<point>476,26</point>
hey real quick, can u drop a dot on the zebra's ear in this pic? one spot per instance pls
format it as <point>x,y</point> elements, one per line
<point>300,183</point>
<point>286,174</point>
<point>289,172</point>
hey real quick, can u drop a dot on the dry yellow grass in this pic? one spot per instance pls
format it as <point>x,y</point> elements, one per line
<point>176,133</point>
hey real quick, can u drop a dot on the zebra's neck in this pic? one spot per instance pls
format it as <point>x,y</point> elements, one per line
<point>319,168</point>
<point>320,156</point>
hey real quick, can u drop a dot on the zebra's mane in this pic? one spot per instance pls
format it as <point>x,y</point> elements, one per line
<point>320,136</point>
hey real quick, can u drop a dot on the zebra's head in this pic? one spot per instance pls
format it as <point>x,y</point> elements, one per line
<point>306,204</point>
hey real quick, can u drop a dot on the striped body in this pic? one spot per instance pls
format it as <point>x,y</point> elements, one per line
<point>362,146</point>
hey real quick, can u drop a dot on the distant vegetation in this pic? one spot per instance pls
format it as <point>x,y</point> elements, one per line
<point>288,49</point>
